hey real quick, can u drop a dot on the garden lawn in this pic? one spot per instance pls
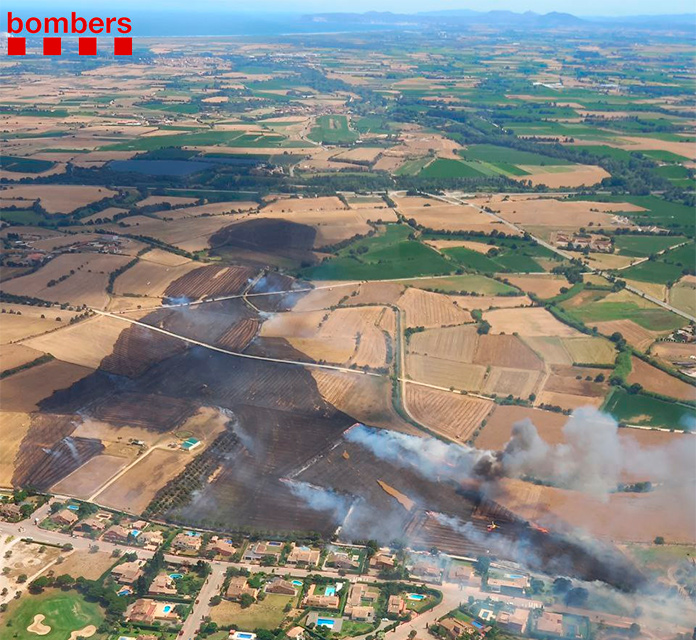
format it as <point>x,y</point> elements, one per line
<point>266,614</point>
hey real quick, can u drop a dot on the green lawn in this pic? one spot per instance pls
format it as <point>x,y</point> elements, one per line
<point>649,411</point>
<point>266,614</point>
<point>64,611</point>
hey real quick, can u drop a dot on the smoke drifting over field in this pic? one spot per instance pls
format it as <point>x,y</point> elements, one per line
<point>593,458</point>
<point>320,499</point>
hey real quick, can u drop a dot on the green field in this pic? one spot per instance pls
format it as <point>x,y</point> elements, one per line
<point>668,267</point>
<point>494,154</point>
<point>468,283</point>
<point>64,611</point>
<point>24,165</point>
<point>511,256</point>
<point>644,245</point>
<point>446,168</point>
<point>206,138</point>
<point>332,130</point>
<point>22,216</point>
<point>648,411</point>
<point>384,256</point>
<point>664,156</point>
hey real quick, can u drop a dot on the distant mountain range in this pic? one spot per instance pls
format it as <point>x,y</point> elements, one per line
<point>506,19</point>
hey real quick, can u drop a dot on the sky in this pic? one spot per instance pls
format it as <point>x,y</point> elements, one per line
<point>585,8</point>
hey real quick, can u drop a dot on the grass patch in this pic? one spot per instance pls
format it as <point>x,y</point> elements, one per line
<point>25,165</point>
<point>64,611</point>
<point>648,411</point>
<point>332,130</point>
<point>266,614</point>
<point>468,283</point>
<point>446,168</point>
<point>643,245</point>
<point>387,255</point>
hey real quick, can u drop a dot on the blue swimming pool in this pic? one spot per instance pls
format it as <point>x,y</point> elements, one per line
<point>176,576</point>
<point>297,583</point>
<point>167,608</point>
<point>135,532</point>
<point>514,576</point>
<point>477,624</point>
<point>330,590</point>
<point>126,591</point>
<point>325,622</point>
<point>244,636</point>
<point>416,596</point>
<point>73,507</point>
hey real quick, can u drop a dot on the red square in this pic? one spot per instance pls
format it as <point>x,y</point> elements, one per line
<point>87,46</point>
<point>16,46</point>
<point>51,46</point>
<point>123,46</point>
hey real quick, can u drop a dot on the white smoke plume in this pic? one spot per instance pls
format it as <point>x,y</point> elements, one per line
<point>320,499</point>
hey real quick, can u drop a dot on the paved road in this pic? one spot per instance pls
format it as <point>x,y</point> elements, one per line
<point>202,607</point>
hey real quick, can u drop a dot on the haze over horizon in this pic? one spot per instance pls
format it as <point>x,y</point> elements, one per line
<point>589,8</point>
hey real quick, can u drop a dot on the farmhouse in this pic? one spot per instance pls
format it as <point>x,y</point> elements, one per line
<point>325,602</point>
<point>509,584</point>
<point>128,572</point>
<point>238,587</point>
<point>187,542</point>
<point>515,620</point>
<point>263,550</point>
<point>303,555</point>
<point>395,606</point>
<point>284,587</point>
<point>65,517</point>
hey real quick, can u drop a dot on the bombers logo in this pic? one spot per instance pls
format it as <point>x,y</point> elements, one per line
<point>74,25</point>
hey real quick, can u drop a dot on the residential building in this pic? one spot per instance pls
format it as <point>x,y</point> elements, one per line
<point>255,552</point>
<point>238,587</point>
<point>221,547</point>
<point>185,542</point>
<point>128,572</point>
<point>90,525</point>
<point>162,585</point>
<point>284,587</point>
<point>550,623</point>
<point>510,584</point>
<point>149,611</point>
<point>515,620</point>
<point>117,534</point>
<point>303,555</point>
<point>296,633</point>
<point>395,606</point>
<point>363,614</point>
<point>313,599</point>
<point>342,560</point>
<point>65,517</point>
<point>382,561</point>
<point>152,539</point>
<point>10,511</point>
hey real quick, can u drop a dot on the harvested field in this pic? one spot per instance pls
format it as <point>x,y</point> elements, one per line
<point>323,298</point>
<point>367,399</point>
<point>148,278</point>
<point>564,176</point>
<point>442,217</point>
<point>498,428</point>
<point>300,205</point>
<point>379,293</point>
<point>560,213</point>
<point>623,517</point>
<point>210,282</point>
<point>674,352</point>
<point>361,155</point>
<point>86,343</point>
<point>426,309</point>
<point>445,373</point>
<point>210,209</point>
<point>657,381</point>
<point>451,415</point>
<point>568,401</point>
<point>506,351</point>
<point>16,355</point>
<point>104,215</point>
<point>15,427</point>
<point>517,382</point>
<point>57,198</point>
<point>25,390</point>
<point>172,200</point>
<point>682,295</point>
<point>551,350</point>
<point>146,410</point>
<point>449,343</point>
<point>542,286</point>
<point>134,490</point>
<point>240,335</point>
<point>85,481</point>
<point>534,321</point>
<point>479,247</point>
<point>491,302</point>
<point>635,335</point>
<point>164,258</point>
<point>589,350</point>
<point>87,285</point>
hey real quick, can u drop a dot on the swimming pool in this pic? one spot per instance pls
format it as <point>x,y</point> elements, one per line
<point>330,590</point>
<point>416,596</point>
<point>126,591</point>
<point>325,622</point>
<point>244,636</point>
<point>167,608</point>
<point>135,532</point>
<point>514,576</point>
<point>477,624</point>
<point>73,507</point>
<point>297,583</point>
<point>176,576</point>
